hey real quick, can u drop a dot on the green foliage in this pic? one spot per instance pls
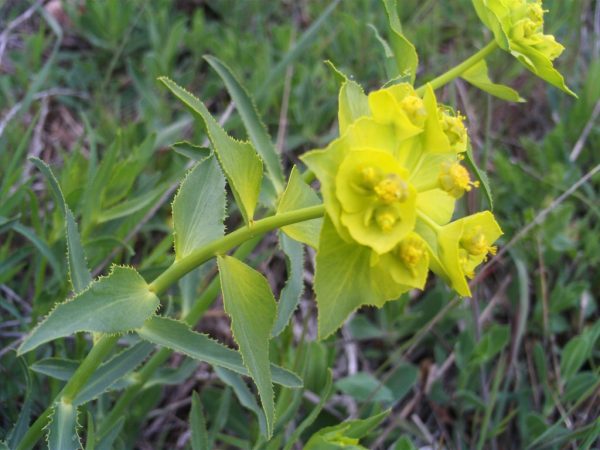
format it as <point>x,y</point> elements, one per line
<point>199,208</point>
<point>117,303</point>
<point>518,366</point>
<point>239,160</point>
<point>248,300</point>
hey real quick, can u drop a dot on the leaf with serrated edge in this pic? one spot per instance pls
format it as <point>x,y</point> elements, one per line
<point>257,131</point>
<point>117,303</point>
<point>199,208</point>
<point>78,270</point>
<point>199,438</point>
<point>239,160</point>
<point>248,300</point>
<point>179,337</point>
<point>299,195</point>
<point>405,53</point>
<point>62,430</point>
<point>294,286</point>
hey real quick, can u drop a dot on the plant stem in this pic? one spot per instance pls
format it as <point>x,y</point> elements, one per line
<point>91,362</point>
<point>180,267</point>
<point>458,70</point>
<point>160,284</point>
<point>144,374</point>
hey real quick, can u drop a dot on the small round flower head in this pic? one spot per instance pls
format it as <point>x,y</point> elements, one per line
<point>463,245</point>
<point>377,202</point>
<point>455,179</point>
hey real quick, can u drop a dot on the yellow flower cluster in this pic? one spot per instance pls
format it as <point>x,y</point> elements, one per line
<point>390,183</point>
<point>518,27</point>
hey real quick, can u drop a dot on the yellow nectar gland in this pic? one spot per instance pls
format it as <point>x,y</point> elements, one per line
<point>454,128</point>
<point>386,221</point>
<point>414,108</point>
<point>476,244</point>
<point>455,179</point>
<point>411,251</point>
<point>370,176</point>
<point>391,189</point>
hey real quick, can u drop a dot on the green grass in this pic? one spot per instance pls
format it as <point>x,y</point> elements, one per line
<point>516,367</point>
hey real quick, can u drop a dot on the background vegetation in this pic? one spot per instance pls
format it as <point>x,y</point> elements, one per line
<point>515,367</point>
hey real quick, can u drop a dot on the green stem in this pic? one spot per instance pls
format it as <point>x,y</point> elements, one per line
<point>180,267</point>
<point>160,284</point>
<point>458,70</point>
<point>144,374</point>
<point>73,386</point>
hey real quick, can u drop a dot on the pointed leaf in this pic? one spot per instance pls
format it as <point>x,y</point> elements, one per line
<point>299,195</point>
<point>294,286</point>
<point>199,439</point>
<point>199,208</point>
<point>478,76</point>
<point>107,441</point>
<point>179,337</point>
<point>191,151</point>
<point>241,164</point>
<point>117,303</point>
<point>131,206</point>
<point>257,131</point>
<point>249,302</point>
<point>405,53</point>
<point>78,271</point>
<point>243,394</point>
<point>62,431</point>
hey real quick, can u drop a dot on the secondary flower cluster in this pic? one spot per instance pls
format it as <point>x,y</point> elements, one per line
<point>518,27</point>
<point>390,183</point>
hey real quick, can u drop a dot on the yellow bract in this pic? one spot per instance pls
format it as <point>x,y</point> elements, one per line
<point>395,174</point>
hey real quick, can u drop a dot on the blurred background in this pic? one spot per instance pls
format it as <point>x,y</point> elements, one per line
<point>520,360</point>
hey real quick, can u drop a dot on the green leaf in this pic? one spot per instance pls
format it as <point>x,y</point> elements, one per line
<point>39,244</point>
<point>239,160</point>
<point>113,370</point>
<point>107,376</point>
<point>117,303</point>
<point>342,282</point>
<point>491,343</point>
<point>404,443</point>
<point>62,430</point>
<point>179,337</point>
<point>353,103</point>
<point>573,356</point>
<point>405,53</point>
<point>345,435</point>
<point>299,195</point>
<point>131,206</point>
<point>294,286</point>
<point>308,421</point>
<point>191,151</point>
<point>78,270</point>
<point>365,387</point>
<point>249,302</point>
<point>199,208</point>
<point>199,438</point>
<point>107,441</point>
<point>481,177</point>
<point>257,132</point>
<point>90,435</point>
<point>243,394</point>
<point>478,76</point>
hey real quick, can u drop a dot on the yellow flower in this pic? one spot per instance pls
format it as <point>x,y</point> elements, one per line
<point>518,27</point>
<point>455,179</point>
<point>459,247</point>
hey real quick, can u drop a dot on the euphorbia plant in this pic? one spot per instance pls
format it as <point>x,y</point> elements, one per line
<point>384,218</point>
